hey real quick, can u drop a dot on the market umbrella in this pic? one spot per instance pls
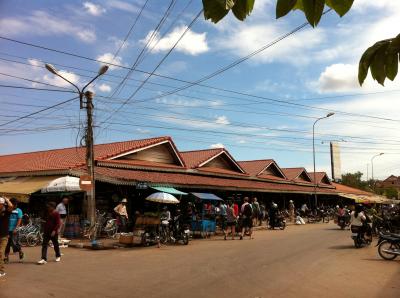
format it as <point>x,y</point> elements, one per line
<point>162,197</point>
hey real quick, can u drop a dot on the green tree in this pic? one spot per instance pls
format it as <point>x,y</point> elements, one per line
<point>381,59</point>
<point>354,180</point>
<point>391,193</point>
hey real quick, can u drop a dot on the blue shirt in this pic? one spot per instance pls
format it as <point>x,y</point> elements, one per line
<point>14,217</point>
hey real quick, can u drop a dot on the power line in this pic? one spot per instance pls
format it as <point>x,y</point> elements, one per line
<point>34,88</point>
<point>155,69</point>
<point>194,83</point>
<point>40,111</point>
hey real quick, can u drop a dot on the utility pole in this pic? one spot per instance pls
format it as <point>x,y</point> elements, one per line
<point>88,105</point>
<point>367,172</point>
<point>90,156</point>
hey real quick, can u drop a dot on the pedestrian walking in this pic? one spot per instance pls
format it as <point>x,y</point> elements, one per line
<point>50,232</point>
<point>231,220</point>
<point>6,208</point>
<point>14,223</point>
<point>247,218</point>
<point>62,209</point>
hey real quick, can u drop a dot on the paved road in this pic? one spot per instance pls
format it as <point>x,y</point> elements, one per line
<point>302,261</point>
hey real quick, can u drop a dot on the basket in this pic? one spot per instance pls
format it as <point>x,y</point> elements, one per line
<point>126,238</point>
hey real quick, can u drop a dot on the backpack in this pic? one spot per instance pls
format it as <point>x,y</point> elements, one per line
<point>248,211</point>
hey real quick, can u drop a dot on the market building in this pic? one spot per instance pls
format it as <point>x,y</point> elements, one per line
<point>135,169</point>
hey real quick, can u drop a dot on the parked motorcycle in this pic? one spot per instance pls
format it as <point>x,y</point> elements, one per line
<point>389,245</point>
<point>361,235</point>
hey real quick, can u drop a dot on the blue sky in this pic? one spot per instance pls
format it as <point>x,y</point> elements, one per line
<point>313,67</point>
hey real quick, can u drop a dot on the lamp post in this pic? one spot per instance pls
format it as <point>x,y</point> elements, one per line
<point>372,164</point>
<point>88,105</point>
<point>313,139</point>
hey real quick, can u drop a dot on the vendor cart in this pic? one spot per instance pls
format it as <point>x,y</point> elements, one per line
<point>204,221</point>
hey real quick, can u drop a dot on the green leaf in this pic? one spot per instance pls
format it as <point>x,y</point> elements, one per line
<point>378,64</point>
<point>391,65</point>
<point>365,62</point>
<point>283,7</point>
<point>214,11</point>
<point>340,6</point>
<point>313,10</point>
<point>243,8</point>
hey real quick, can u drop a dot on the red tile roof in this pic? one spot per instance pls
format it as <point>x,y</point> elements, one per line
<point>254,167</point>
<point>200,181</point>
<point>294,173</point>
<point>319,177</point>
<point>195,158</point>
<point>351,190</point>
<point>68,158</point>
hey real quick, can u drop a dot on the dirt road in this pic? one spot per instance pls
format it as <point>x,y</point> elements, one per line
<point>302,261</point>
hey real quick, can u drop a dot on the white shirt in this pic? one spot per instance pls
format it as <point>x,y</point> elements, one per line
<point>357,221</point>
<point>61,209</point>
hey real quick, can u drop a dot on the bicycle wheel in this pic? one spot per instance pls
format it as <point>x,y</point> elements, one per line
<point>32,239</point>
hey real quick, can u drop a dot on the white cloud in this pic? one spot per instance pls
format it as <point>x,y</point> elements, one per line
<point>119,43</point>
<point>121,5</point>
<point>222,120</point>
<point>217,145</point>
<point>192,43</point>
<point>43,24</point>
<point>104,88</point>
<point>93,9</point>
<point>109,58</point>
<point>343,78</point>
<point>244,39</point>
<point>35,62</point>
<point>55,80</point>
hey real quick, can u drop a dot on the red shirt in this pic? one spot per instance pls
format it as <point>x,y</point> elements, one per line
<point>53,223</point>
<point>236,209</point>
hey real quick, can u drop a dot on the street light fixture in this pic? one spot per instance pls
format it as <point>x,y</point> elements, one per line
<point>88,105</point>
<point>315,174</point>
<point>372,164</point>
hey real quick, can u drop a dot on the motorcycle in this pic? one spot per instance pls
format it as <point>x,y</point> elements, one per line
<point>279,222</point>
<point>389,245</point>
<point>361,235</point>
<point>343,222</point>
<point>182,232</point>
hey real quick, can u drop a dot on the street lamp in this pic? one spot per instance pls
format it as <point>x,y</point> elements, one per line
<point>88,105</point>
<point>372,164</point>
<point>313,139</point>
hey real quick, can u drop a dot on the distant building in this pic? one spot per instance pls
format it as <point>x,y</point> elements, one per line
<point>391,182</point>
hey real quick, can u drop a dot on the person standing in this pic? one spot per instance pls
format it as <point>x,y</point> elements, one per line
<point>62,209</point>
<point>256,211</point>
<point>6,208</point>
<point>50,232</point>
<point>247,218</point>
<point>231,220</point>
<point>14,223</point>
<point>122,214</point>
<point>291,210</point>
<point>222,212</point>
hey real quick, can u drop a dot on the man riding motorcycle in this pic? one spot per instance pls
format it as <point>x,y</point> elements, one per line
<point>360,226</point>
